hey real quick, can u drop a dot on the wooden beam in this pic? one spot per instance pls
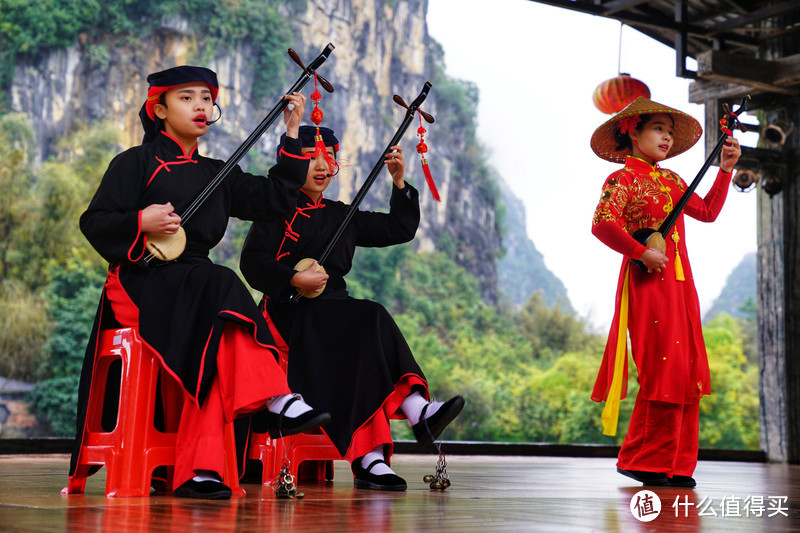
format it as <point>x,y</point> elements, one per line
<point>788,71</point>
<point>778,8</point>
<point>701,91</point>
<point>739,69</point>
<point>612,6</point>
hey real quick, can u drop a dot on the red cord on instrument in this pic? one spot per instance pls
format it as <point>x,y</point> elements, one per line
<point>724,123</point>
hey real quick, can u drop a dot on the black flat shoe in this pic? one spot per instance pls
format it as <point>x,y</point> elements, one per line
<point>204,490</point>
<point>282,426</point>
<point>646,478</point>
<point>428,429</point>
<point>682,481</point>
<point>363,479</point>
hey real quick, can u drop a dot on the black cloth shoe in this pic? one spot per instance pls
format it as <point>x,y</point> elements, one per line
<point>646,478</point>
<point>682,481</point>
<point>282,426</point>
<point>363,479</point>
<point>428,429</point>
<point>204,490</point>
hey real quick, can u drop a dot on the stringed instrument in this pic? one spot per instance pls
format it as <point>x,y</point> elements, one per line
<point>166,248</point>
<point>653,238</point>
<point>306,263</point>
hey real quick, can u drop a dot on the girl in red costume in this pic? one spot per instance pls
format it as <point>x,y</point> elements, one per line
<point>658,308</point>
<point>198,317</point>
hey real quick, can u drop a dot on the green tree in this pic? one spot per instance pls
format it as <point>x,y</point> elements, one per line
<point>729,416</point>
<point>43,216</point>
<point>749,325</point>
<point>72,299</point>
<point>24,330</point>
<point>50,275</point>
<point>553,331</point>
<point>27,28</point>
<point>16,179</point>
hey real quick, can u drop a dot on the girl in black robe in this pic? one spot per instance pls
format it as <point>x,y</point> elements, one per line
<point>345,355</point>
<point>197,317</point>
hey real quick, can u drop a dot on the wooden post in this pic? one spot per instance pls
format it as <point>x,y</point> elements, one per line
<point>779,303</point>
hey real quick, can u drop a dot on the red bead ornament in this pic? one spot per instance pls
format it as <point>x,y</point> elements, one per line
<point>422,148</point>
<point>613,95</point>
<point>316,114</point>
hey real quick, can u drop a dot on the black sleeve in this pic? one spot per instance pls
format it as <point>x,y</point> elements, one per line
<point>271,198</point>
<point>258,263</point>
<point>397,226</point>
<point>112,222</point>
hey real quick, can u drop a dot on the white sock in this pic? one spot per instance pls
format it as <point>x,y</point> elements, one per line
<point>412,407</point>
<point>276,403</point>
<point>206,475</point>
<point>380,468</point>
<point>413,404</point>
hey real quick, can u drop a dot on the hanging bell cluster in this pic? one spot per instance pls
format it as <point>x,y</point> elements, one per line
<point>439,480</point>
<point>285,487</point>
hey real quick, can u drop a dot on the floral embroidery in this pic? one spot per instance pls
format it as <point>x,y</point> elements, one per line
<point>637,199</point>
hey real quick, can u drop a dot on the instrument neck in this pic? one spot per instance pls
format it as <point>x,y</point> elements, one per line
<point>666,226</point>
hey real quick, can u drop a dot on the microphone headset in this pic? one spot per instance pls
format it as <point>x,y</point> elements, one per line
<point>208,123</point>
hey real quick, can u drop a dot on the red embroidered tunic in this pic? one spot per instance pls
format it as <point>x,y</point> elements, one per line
<point>664,321</point>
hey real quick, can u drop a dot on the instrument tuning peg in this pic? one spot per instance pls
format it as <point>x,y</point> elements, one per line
<point>427,116</point>
<point>296,58</point>
<point>325,83</point>
<point>398,99</point>
<point>322,81</point>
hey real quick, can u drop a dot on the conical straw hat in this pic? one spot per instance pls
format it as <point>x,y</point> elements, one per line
<point>687,130</point>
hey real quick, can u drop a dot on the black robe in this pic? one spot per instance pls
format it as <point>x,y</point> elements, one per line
<point>183,305</point>
<point>345,355</point>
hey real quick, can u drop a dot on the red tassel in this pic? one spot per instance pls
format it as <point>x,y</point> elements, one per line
<point>421,149</point>
<point>320,150</point>
<point>428,178</point>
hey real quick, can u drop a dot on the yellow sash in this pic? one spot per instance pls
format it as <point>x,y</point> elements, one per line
<point>610,415</point>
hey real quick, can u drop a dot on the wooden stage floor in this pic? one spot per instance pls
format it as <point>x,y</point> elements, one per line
<point>488,493</point>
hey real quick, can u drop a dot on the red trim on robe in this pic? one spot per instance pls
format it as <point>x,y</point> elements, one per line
<point>377,429</point>
<point>295,156</point>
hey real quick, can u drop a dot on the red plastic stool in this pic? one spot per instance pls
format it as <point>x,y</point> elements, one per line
<point>261,448</point>
<point>316,447</point>
<point>134,448</point>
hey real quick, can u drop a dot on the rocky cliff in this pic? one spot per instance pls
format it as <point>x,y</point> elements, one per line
<point>382,48</point>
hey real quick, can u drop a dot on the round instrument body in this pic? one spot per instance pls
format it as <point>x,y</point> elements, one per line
<point>166,247</point>
<point>305,264</point>
<point>652,239</point>
<point>656,240</point>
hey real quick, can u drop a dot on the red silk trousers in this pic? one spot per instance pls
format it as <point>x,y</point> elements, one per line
<point>662,437</point>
